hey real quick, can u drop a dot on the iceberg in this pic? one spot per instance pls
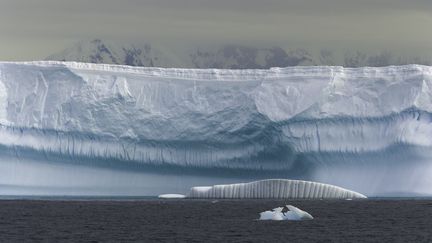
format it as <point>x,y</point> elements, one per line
<point>288,212</point>
<point>80,126</point>
<point>275,188</point>
<point>172,196</point>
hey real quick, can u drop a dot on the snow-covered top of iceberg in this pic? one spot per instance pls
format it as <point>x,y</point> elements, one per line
<point>29,93</point>
<point>275,188</point>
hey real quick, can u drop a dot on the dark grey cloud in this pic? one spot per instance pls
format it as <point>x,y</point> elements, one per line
<point>37,28</point>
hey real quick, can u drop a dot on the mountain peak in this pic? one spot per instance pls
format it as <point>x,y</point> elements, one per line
<point>228,56</point>
<point>147,55</point>
<point>101,51</point>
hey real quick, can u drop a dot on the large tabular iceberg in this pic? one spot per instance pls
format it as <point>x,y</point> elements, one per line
<point>78,126</point>
<point>288,189</point>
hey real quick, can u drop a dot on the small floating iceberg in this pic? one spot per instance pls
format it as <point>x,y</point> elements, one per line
<point>275,188</point>
<point>171,196</point>
<point>287,212</point>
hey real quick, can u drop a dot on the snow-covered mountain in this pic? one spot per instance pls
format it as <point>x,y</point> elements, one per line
<point>133,130</point>
<point>228,56</point>
<point>244,57</point>
<point>149,55</point>
<point>109,52</point>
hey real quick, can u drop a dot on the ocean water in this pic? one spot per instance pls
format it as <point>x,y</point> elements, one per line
<point>133,219</point>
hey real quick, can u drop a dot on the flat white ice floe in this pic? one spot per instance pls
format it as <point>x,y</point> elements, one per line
<point>171,196</point>
<point>288,212</point>
<point>275,188</point>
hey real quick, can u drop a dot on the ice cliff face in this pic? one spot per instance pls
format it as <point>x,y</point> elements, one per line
<point>331,124</point>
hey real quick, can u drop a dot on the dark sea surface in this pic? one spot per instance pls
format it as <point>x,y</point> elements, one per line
<point>155,220</point>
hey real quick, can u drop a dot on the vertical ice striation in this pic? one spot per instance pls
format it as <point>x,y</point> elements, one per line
<point>275,188</point>
<point>3,100</point>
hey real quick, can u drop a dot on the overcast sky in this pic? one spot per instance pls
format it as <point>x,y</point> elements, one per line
<point>34,29</point>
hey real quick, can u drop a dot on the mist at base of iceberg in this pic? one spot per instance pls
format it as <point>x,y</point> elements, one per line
<point>26,177</point>
<point>394,179</point>
<point>368,174</point>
